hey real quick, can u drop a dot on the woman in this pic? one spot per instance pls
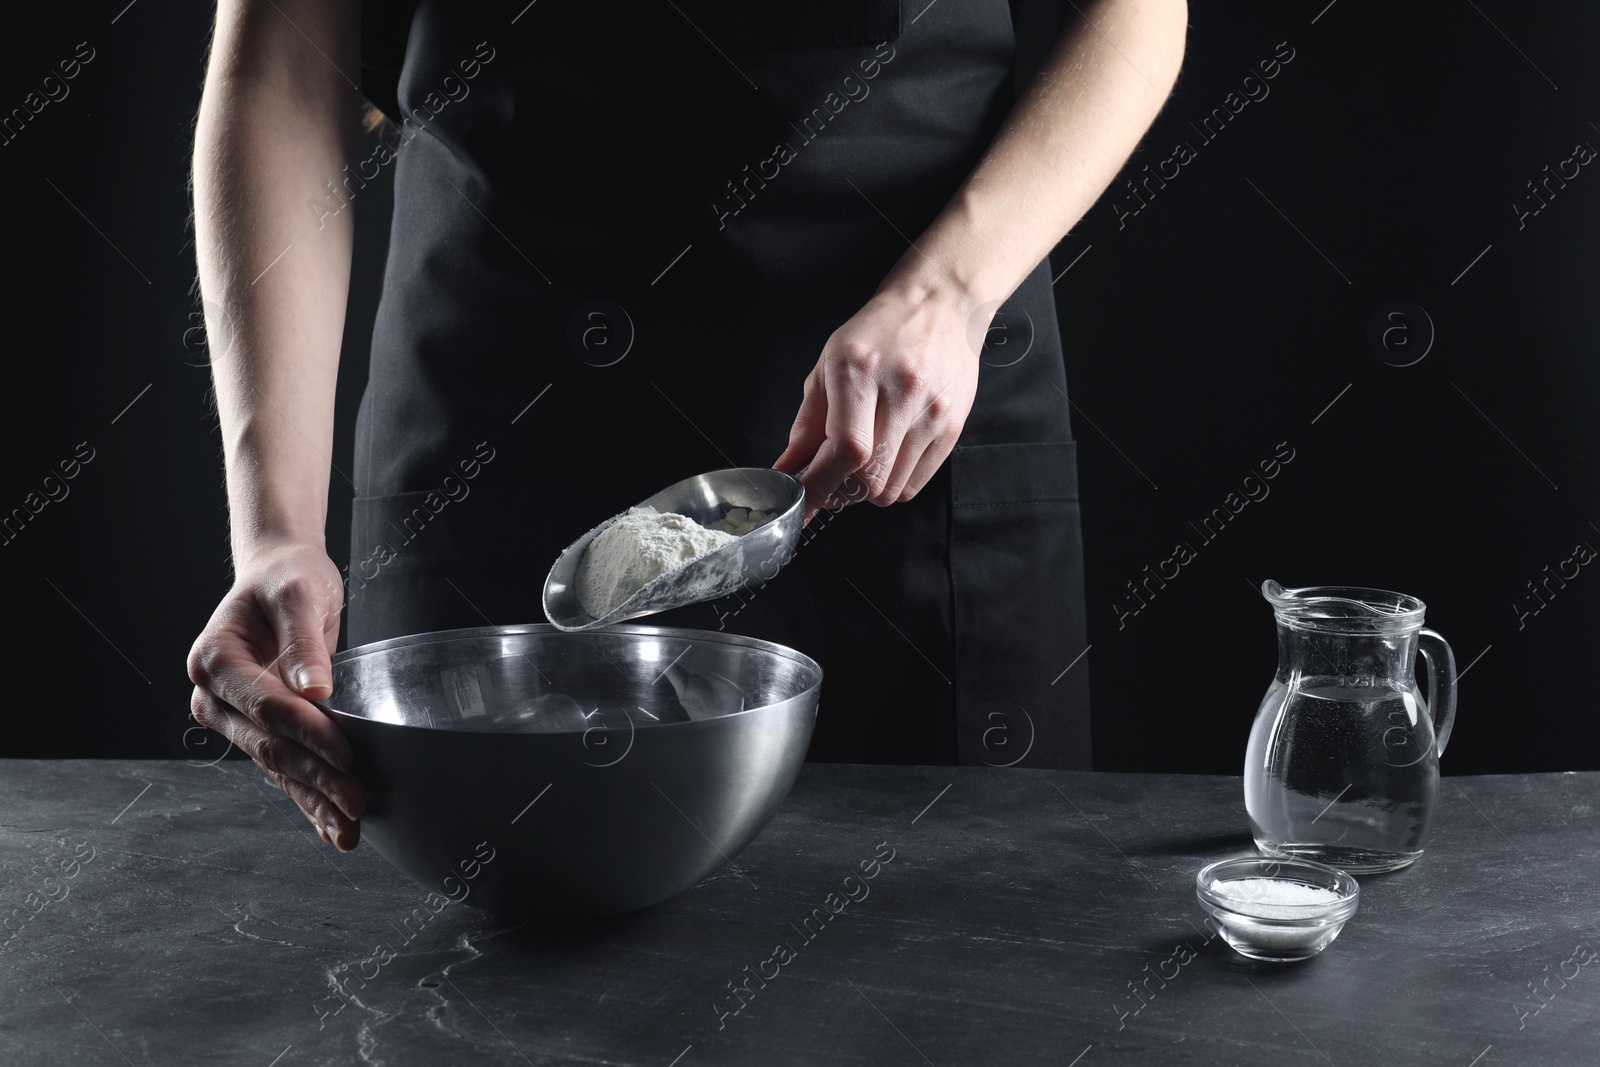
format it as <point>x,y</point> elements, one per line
<point>623,244</point>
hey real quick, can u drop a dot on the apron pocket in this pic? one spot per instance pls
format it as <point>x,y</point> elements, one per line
<point>1016,571</point>
<point>423,561</point>
<point>404,524</point>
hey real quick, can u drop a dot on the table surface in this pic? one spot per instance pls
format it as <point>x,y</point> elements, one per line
<point>165,913</point>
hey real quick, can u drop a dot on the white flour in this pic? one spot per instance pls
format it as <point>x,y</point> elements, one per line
<point>639,547</point>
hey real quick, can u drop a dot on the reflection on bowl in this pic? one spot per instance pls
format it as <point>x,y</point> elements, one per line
<point>1280,910</point>
<point>524,769</point>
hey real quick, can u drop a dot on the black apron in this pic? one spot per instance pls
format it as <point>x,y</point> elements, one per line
<point>620,240</point>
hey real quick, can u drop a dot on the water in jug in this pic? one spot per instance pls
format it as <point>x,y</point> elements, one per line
<point>1343,761</point>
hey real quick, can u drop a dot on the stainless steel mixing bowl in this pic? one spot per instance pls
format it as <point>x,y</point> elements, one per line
<point>536,771</point>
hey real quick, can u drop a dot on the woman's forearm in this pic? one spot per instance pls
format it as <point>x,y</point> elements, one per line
<point>278,120</point>
<point>1062,145</point>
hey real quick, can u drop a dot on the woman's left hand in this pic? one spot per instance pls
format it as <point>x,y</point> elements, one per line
<point>886,401</point>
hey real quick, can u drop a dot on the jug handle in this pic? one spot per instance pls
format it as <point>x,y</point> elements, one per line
<point>1441,697</point>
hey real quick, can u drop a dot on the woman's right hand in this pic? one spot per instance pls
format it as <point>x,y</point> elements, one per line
<point>258,664</point>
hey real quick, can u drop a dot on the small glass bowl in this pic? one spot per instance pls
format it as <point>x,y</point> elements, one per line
<point>1270,930</point>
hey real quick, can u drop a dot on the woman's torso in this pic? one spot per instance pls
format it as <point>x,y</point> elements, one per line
<point>619,244</point>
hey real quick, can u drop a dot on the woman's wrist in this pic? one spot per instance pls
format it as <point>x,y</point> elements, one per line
<point>957,261</point>
<point>273,500</point>
<point>256,542</point>
<point>253,541</point>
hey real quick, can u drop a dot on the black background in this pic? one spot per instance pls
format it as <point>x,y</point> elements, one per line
<point>1222,319</point>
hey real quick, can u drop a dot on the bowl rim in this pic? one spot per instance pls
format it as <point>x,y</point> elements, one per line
<point>474,632</point>
<point>430,637</point>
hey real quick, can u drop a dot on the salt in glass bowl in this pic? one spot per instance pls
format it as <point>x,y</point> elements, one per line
<point>1244,896</point>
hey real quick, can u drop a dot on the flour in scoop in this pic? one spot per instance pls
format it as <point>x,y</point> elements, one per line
<point>641,546</point>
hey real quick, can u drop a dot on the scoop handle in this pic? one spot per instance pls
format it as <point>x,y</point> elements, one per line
<point>1441,697</point>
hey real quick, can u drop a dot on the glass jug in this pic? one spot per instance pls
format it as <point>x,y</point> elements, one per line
<point>1343,761</point>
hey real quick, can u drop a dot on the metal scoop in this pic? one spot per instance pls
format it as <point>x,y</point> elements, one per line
<point>752,559</point>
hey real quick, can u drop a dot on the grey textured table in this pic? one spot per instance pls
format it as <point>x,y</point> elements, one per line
<point>184,914</point>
